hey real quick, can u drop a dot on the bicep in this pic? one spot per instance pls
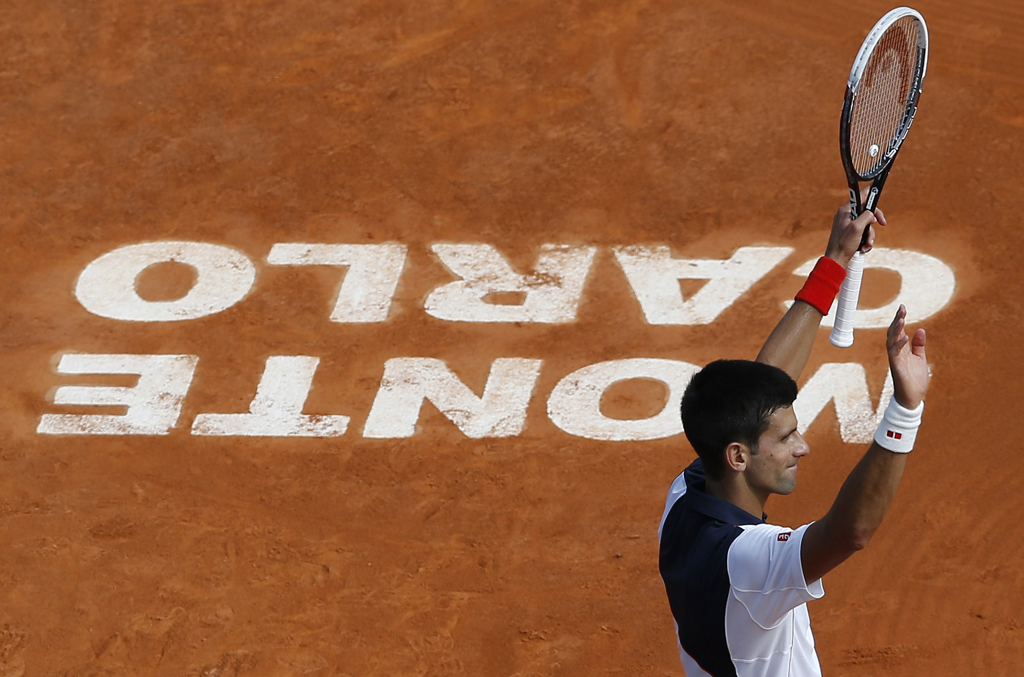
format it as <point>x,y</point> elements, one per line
<point>821,552</point>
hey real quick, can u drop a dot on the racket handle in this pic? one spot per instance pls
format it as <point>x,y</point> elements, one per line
<point>849,294</point>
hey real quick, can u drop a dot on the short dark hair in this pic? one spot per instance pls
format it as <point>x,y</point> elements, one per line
<point>732,401</point>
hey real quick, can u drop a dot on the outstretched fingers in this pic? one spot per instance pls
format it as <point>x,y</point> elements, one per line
<point>907,361</point>
<point>896,328</point>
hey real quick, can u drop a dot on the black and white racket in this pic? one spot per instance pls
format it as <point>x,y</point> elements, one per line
<point>880,104</point>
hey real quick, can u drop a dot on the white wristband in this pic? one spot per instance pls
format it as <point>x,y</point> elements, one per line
<point>898,428</point>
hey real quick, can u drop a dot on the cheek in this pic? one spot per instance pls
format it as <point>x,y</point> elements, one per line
<point>766,466</point>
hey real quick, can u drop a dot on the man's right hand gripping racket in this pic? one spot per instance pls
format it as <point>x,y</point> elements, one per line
<point>880,104</point>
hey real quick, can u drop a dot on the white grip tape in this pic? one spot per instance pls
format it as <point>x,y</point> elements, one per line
<point>846,307</point>
<point>898,428</point>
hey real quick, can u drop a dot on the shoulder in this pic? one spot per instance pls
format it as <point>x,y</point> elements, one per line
<point>757,537</point>
<point>766,558</point>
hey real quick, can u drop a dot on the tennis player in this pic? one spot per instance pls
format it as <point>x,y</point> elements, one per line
<point>738,586</point>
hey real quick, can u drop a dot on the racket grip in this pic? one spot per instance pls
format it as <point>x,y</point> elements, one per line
<point>846,308</point>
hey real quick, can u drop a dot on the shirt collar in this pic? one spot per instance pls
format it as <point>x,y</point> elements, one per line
<point>720,509</point>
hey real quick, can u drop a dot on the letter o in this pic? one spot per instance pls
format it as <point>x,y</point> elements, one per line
<point>575,403</point>
<point>107,285</point>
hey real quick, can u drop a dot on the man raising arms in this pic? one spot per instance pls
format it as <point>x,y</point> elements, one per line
<point>737,586</point>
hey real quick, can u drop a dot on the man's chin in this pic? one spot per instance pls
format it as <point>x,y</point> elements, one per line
<point>786,487</point>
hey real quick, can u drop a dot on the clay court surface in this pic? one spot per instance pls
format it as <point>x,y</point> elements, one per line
<point>701,126</point>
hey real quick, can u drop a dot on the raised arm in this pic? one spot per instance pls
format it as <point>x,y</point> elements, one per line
<point>870,489</point>
<point>790,343</point>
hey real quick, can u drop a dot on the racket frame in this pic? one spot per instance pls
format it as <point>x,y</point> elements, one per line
<point>849,294</point>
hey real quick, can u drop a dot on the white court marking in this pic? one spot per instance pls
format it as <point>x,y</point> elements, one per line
<point>552,291</point>
<point>370,282</point>
<point>153,404</point>
<point>276,411</point>
<point>410,381</point>
<point>926,287</point>
<point>575,403</point>
<point>107,285</point>
<point>551,294</point>
<point>654,276</point>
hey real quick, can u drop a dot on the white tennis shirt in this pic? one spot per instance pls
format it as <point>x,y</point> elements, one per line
<point>736,587</point>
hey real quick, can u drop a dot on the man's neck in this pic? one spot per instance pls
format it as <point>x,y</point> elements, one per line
<point>738,493</point>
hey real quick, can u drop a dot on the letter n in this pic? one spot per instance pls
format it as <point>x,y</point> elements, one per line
<point>408,381</point>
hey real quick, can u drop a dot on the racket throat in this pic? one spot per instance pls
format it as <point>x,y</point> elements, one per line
<point>872,200</point>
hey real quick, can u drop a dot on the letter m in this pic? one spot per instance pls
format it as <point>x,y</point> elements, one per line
<point>846,385</point>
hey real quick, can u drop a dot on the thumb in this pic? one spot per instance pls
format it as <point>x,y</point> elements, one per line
<point>917,343</point>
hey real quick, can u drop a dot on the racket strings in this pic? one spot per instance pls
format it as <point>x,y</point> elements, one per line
<point>883,95</point>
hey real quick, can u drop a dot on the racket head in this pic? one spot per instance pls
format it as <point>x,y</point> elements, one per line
<point>882,93</point>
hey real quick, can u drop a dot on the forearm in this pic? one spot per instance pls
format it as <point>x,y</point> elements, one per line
<point>866,496</point>
<point>789,345</point>
<point>791,341</point>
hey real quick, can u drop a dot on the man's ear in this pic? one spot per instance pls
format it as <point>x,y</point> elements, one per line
<point>736,456</point>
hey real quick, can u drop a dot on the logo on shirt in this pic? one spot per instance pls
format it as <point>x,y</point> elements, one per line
<point>784,536</point>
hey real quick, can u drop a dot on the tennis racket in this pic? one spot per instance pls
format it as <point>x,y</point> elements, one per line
<point>879,107</point>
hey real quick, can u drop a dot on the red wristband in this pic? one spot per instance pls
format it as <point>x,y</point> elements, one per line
<point>822,285</point>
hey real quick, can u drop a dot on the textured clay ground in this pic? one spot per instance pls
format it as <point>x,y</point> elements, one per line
<point>702,125</point>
